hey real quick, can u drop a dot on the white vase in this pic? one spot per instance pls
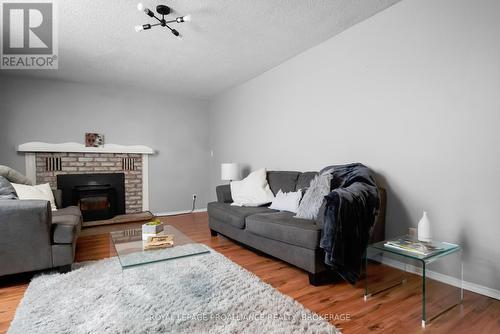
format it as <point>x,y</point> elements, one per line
<point>424,228</point>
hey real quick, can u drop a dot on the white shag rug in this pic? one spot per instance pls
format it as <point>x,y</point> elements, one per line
<point>199,294</point>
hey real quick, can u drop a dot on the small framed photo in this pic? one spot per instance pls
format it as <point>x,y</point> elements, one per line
<point>94,139</point>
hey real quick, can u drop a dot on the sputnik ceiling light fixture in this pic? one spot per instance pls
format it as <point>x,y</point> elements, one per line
<point>162,10</point>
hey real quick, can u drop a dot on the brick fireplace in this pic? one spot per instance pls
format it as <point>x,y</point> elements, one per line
<point>87,163</point>
<point>45,161</point>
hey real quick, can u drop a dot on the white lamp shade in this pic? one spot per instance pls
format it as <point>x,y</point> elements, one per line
<point>230,171</point>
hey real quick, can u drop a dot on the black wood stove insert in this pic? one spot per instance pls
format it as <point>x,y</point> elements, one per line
<point>99,196</point>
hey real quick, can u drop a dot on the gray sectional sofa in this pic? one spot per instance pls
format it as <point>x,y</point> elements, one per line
<point>277,233</point>
<point>32,237</point>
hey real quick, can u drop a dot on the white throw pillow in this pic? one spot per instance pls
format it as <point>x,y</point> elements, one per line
<point>40,191</point>
<point>287,201</point>
<point>252,190</point>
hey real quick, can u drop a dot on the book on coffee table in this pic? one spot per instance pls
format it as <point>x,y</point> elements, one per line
<point>159,242</point>
<point>413,246</point>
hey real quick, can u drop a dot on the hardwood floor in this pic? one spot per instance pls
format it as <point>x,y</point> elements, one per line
<point>394,311</point>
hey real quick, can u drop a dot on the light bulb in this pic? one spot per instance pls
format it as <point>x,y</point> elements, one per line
<point>186,18</point>
<point>139,28</point>
<point>140,7</point>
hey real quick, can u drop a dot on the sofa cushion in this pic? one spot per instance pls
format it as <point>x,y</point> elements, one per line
<point>14,176</point>
<point>281,226</point>
<point>7,191</point>
<point>233,215</point>
<point>282,180</point>
<point>304,180</point>
<point>69,210</point>
<point>58,197</point>
<point>65,228</point>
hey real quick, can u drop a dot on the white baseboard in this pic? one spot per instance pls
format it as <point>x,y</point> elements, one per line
<point>173,213</point>
<point>480,289</point>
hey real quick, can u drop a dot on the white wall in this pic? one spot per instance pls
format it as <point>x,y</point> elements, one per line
<point>58,111</point>
<point>414,93</point>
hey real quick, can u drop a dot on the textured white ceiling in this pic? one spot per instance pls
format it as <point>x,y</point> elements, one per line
<point>227,42</point>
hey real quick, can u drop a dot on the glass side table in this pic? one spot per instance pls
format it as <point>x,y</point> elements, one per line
<point>387,267</point>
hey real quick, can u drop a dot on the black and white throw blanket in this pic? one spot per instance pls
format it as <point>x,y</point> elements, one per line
<point>350,214</point>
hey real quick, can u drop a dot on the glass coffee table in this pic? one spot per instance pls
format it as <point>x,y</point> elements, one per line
<point>129,247</point>
<point>387,267</point>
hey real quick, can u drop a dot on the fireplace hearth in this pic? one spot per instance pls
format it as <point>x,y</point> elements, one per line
<point>99,196</point>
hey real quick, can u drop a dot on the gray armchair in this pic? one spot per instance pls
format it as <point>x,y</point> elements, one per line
<point>25,238</point>
<point>32,237</point>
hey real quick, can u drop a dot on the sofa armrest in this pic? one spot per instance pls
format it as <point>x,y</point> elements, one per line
<point>224,193</point>
<point>25,236</point>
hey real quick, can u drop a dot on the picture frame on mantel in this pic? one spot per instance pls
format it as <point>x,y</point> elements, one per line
<point>94,139</point>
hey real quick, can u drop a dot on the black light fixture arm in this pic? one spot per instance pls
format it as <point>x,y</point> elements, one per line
<point>163,11</point>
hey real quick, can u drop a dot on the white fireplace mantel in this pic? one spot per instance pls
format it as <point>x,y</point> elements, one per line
<point>31,148</point>
<point>36,146</point>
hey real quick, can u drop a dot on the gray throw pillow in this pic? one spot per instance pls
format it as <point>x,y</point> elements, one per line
<point>313,198</point>
<point>14,176</point>
<point>7,191</point>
